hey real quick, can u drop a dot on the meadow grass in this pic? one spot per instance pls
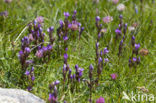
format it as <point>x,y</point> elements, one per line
<point>81,52</point>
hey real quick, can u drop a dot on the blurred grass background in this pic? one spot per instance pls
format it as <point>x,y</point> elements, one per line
<point>21,12</point>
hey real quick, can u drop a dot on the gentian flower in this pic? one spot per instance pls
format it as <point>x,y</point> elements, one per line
<point>39,53</point>
<point>106,60</point>
<point>65,38</point>
<point>27,50</point>
<point>134,59</point>
<point>100,100</point>
<point>114,76</point>
<point>66,14</point>
<point>137,46</point>
<point>27,72</point>
<point>117,31</point>
<point>105,51</point>
<point>97,19</point>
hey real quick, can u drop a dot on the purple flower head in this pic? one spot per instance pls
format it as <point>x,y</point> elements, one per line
<point>64,67</point>
<point>121,42</point>
<point>117,31</point>
<point>97,18</point>
<point>70,71</point>
<point>61,23</point>
<point>80,72</point>
<point>137,46</point>
<point>106,60</point>
<point>134,59</point>
<point>56,82</point>
<point>82,29</point>
<point>25,40</point>
<point>20,53</point>
<point>49,47</point>
<point>120,16</point>
<point>76,67</point>
<point>27,72</point>
<point>45,49</point>
<point>33,78</point>
<point>40,19</point>
<point>66,14</point>
<point>65,56</point>
<point>32,69</point>
<point>91,67</point>
<point>107,19</point>
<point>97,44</point>
<point>75,12</point>
<point>100,60</point>
<point>66,49</point>
<point>29,88</point>
<point>39,53</point>
<point>105,51</point>
<point>27,50</point>
<point>65,38</point>
<point>79,24</point>
<point>100,100</point>
<point>114,76</point>
<point>101,52</point>
<point>133,37</point>
<point>50,96</point>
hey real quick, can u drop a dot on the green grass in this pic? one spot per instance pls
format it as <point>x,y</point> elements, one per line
<point>82,52</point>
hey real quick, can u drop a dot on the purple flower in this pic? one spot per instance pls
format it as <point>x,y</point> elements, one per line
<point>134,59</point>
<point>100,100</point>
<point>27,72</point>
<point>29,88</point>
<point>97,18</point>
<point>107,19</point>
<point>106,60</point>
<point>50,96</point>
<point>137,46</point>
<point>114,76</point>
<point>33,78</point>
<point>100,60</point>
<point>39,53</point>
<point>117,31</point>
<point>91,67</point>
<point>27,50</point>
<point>105,50</point>
<point>65,56</point>
<point>56,82</point>
<point>80,72</point>
<point>65,38</point>
<point>75,12</point>
<point>133,37</point>
<point>61,23</point>
<point>40,19</point>
<point>66,14</point>
<point>97,44</point>
<point>49,47</point>
<point>21,53</point>
<point>45,49</point>
<point>76,67</point>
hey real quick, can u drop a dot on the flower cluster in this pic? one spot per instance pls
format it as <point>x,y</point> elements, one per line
<point>53,92</point>
<point>31,78</point>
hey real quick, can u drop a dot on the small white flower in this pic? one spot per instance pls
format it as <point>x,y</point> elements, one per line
<point>121,7</point>
<point>131,28</point>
